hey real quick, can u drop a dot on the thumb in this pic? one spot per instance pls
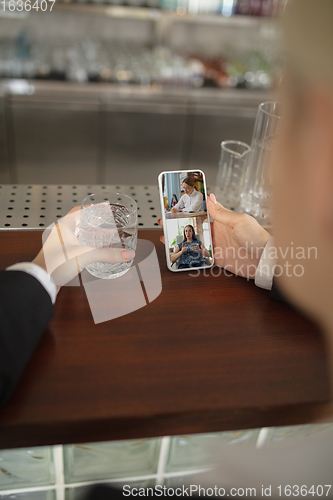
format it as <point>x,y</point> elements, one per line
<point>106,255</point>
<point>220,213</point>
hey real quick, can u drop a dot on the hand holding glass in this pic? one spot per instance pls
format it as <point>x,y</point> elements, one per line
<point>109,220</point>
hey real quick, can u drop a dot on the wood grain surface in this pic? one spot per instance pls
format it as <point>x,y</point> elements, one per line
<point>211,353</point>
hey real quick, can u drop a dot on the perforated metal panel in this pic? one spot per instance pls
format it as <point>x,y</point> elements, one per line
<point>36,207</point>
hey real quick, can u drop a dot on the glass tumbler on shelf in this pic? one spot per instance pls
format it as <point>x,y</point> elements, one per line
<point>256,195</point>
<point>230,176</point>
<point>108,220</point>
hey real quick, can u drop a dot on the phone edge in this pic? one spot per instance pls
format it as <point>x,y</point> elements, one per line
<point>167,257</point>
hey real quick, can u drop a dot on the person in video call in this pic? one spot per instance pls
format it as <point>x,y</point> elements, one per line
<point>192,199</point>
<point>303,217</point>
<point>190,252</point>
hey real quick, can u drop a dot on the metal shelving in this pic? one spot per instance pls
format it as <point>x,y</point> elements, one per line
<point>149,14</point>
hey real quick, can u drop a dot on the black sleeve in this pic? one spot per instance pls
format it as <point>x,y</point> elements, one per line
<point>25,310</point>
<point>103,492</point>
<point>107,492</point>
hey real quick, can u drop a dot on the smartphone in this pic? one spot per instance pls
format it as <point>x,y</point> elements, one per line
<point>188,239</point>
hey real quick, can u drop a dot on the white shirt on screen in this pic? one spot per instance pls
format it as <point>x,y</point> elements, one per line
<point>191,203</point>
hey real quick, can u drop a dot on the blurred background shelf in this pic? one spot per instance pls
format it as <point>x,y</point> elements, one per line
<point>112,11</point>
<point>146,13</point>
<point>60,132</point>
<point>100,94</point>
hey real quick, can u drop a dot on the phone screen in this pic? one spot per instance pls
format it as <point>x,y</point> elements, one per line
<point>188,240</point>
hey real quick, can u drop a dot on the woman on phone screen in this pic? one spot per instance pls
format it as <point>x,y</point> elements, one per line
<point>192,199</point>
<point>190,251</point>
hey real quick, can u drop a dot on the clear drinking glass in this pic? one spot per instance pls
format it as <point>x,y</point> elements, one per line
<point>230,176</point>
<point>108,220</point>
<point>256,196</point>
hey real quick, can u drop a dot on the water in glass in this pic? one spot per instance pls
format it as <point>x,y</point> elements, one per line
<point>112,226</point>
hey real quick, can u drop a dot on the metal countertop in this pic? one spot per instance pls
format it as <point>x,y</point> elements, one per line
<point>38,206</point>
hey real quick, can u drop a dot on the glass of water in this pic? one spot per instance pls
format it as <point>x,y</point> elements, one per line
<point>108,220</point>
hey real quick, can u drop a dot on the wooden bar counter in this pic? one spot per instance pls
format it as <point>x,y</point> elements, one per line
<point>211,353</point>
